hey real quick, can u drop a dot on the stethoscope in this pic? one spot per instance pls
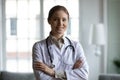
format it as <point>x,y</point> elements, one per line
<point>70,45</point>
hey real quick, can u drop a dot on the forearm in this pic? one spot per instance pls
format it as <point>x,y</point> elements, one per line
<point>44,68</point>
<point>48,73</point>
<point>79,73</point>
<point>39,75</point>
<point>74,74</point>
<point>78,66</point>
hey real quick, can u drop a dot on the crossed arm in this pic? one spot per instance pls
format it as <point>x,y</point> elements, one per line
<point>50,71</point>
<point>80,69</point>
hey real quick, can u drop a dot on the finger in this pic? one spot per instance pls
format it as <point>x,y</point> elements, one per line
<point>78,64</point>
<point>79,61</point>
<point>39,66</point>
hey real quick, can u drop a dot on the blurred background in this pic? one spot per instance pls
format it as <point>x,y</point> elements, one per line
<point>23,22</point>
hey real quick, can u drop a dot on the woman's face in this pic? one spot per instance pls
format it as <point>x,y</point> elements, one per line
<point>59,22</point>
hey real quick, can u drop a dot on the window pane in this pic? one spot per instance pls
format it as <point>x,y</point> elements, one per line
<point>22,9</point>
<point>74,11</point>
<point>46,9</point>
<point>8,28</point>
<point>11,48</point>
<point>34,8</point>
<point>34,28</point>
<point>11,8</point>
<point>21,65</point>
<point>11,65</point>
<point>22,28</point>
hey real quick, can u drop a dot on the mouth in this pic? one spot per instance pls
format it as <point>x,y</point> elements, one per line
<point>60,27</point>
<point>59,30</point>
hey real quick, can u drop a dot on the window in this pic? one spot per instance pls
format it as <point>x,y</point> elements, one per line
<point>21,33</point>
<point>23,28</point>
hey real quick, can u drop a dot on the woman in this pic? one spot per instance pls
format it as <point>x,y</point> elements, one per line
<point>58,57</point>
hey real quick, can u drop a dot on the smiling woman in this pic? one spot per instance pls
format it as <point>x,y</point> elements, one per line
<point>49,55</point>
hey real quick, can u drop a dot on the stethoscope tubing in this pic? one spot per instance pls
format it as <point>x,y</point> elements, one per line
<point>70,45</point>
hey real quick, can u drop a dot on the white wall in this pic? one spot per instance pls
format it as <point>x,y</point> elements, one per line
<point>113,9</point>
<point>90,13</point>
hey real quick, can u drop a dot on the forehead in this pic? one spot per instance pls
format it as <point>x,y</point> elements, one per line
<point>60,13</point>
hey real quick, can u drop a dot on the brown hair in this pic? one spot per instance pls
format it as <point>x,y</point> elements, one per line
<point>57,8</point>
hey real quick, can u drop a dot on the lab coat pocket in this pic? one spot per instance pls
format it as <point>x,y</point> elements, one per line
<point>68,64</point>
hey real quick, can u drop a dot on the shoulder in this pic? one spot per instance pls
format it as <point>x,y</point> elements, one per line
<point>73,41</point>
<point>39,43</point>
<point>76,44</point>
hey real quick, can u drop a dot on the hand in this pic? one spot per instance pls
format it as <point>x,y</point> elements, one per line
<point>78,64</point>
<point>44,68</point>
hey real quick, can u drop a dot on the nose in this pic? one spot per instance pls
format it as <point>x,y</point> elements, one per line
<point>60,22</point>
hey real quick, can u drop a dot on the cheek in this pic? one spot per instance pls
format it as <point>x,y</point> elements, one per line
<point>66,25</point>
<point>53,24</point>
<point>53,27</point>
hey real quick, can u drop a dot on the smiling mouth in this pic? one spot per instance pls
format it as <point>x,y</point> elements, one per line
<point>59,28</point>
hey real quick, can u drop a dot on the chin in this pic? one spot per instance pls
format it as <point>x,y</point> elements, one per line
<point>59,32</point>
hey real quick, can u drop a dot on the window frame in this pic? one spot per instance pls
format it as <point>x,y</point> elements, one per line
<point>3,36</point>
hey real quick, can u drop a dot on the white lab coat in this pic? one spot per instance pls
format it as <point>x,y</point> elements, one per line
<point>62,59</point>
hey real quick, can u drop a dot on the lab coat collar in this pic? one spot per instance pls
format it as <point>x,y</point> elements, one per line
<point>62,39</point>
<point>66,42</point>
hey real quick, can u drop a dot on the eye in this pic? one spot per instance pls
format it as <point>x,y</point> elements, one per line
<point>64,19</point>
<point>55,19</point>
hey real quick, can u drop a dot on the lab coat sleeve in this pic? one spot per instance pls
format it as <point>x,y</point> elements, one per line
<point>80,73</point>
<point>37,56</point>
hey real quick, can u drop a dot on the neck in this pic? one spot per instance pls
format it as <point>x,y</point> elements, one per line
<point>57,36</point>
